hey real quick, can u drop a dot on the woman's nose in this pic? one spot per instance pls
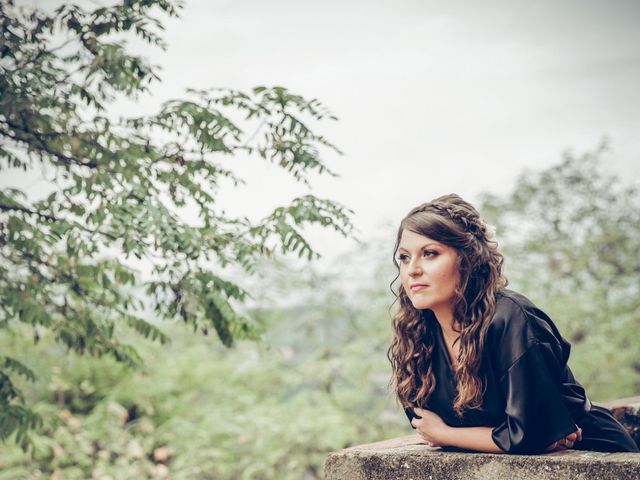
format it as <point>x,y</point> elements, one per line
<point>414,268</point>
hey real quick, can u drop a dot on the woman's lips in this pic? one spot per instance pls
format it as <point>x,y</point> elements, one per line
<point>418,286</point>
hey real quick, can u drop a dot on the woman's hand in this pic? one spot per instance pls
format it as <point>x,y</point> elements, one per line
<point>566,442</point>
<point>430,427</point>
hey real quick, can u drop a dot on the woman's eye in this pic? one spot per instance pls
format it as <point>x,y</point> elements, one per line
<point>402,258</point>
<point>429,253</point>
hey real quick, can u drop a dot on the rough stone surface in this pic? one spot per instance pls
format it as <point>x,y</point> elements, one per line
<point>405,459</point>
<point>419,462</point>
<point>627,412</point>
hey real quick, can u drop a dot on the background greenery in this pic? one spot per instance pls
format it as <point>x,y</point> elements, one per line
<point>317,380</point>
<point>131,205</point>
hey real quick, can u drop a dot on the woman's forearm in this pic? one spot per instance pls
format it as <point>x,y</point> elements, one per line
<point>470,438</point>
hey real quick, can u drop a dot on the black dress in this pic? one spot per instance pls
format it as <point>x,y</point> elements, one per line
<point>531,397</point>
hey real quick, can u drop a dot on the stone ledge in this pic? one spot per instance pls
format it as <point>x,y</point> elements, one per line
<point>627,412</point>
<point>420,462</point>
<point>405,458</point>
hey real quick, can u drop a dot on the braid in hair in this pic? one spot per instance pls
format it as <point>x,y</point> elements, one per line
<point>469,220</point>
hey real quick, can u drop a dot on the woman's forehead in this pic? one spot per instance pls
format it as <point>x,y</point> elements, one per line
<point>412,240</point>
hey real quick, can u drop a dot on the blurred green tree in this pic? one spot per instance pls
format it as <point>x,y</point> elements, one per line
<point>120,190</point>
<point>571,236</point>
<point>315,382</point>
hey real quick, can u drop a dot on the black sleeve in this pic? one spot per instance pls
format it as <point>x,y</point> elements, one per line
<point>411,415</point>
<point>536,415</point>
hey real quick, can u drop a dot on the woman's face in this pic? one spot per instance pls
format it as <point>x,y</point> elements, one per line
<point>428,271</point>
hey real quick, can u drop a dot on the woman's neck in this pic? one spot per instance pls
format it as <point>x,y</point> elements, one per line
<point>444,316</point>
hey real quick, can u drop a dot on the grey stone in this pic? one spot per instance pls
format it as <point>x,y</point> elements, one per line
<point>627,412</point>
<point>405,459</point>
<point>419,462</point>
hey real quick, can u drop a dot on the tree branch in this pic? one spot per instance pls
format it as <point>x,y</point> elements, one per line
<point>44,146</point>
<point>18,208</point>
<point>5,207</point>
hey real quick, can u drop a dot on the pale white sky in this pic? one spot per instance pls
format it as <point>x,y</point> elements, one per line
<point>432,97</point>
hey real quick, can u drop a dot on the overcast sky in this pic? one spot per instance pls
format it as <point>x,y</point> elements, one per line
<point>432,97</point>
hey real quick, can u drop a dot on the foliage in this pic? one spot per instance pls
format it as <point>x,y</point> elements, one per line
<point>318,379</point>
<point>264,410</point>
<point>131,190</point>
<point>571,236</point>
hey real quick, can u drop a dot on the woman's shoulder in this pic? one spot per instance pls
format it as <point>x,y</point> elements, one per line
<point>515,311</point>
<point>517,324</point>
<point>512,308</point>
<point>510,300</point>
<point>512,311</point>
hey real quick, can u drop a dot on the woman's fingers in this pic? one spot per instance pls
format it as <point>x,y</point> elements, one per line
<point>569,440</point>
<point>556,447</point>
<point>566,442</point>
<point>552,447</point>
<point>572,438</point>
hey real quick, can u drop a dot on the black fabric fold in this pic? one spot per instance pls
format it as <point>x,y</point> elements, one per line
<point>531,396</point>
<point>536,415</point>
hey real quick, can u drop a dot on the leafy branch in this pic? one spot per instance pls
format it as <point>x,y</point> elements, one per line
<point>123,187</point>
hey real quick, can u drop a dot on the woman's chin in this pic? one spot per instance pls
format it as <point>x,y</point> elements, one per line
<point>420,305</point>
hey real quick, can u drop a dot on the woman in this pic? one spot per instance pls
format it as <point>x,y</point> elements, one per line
<point>476,366</point>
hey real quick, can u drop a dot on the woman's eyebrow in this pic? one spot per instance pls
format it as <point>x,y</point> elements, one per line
<point>426,245</point>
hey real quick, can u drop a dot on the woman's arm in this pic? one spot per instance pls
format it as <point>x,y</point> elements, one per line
<point>470,438</point>
<point>437,433</point>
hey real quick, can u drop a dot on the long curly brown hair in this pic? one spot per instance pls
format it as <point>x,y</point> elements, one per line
<point>454,222</point>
